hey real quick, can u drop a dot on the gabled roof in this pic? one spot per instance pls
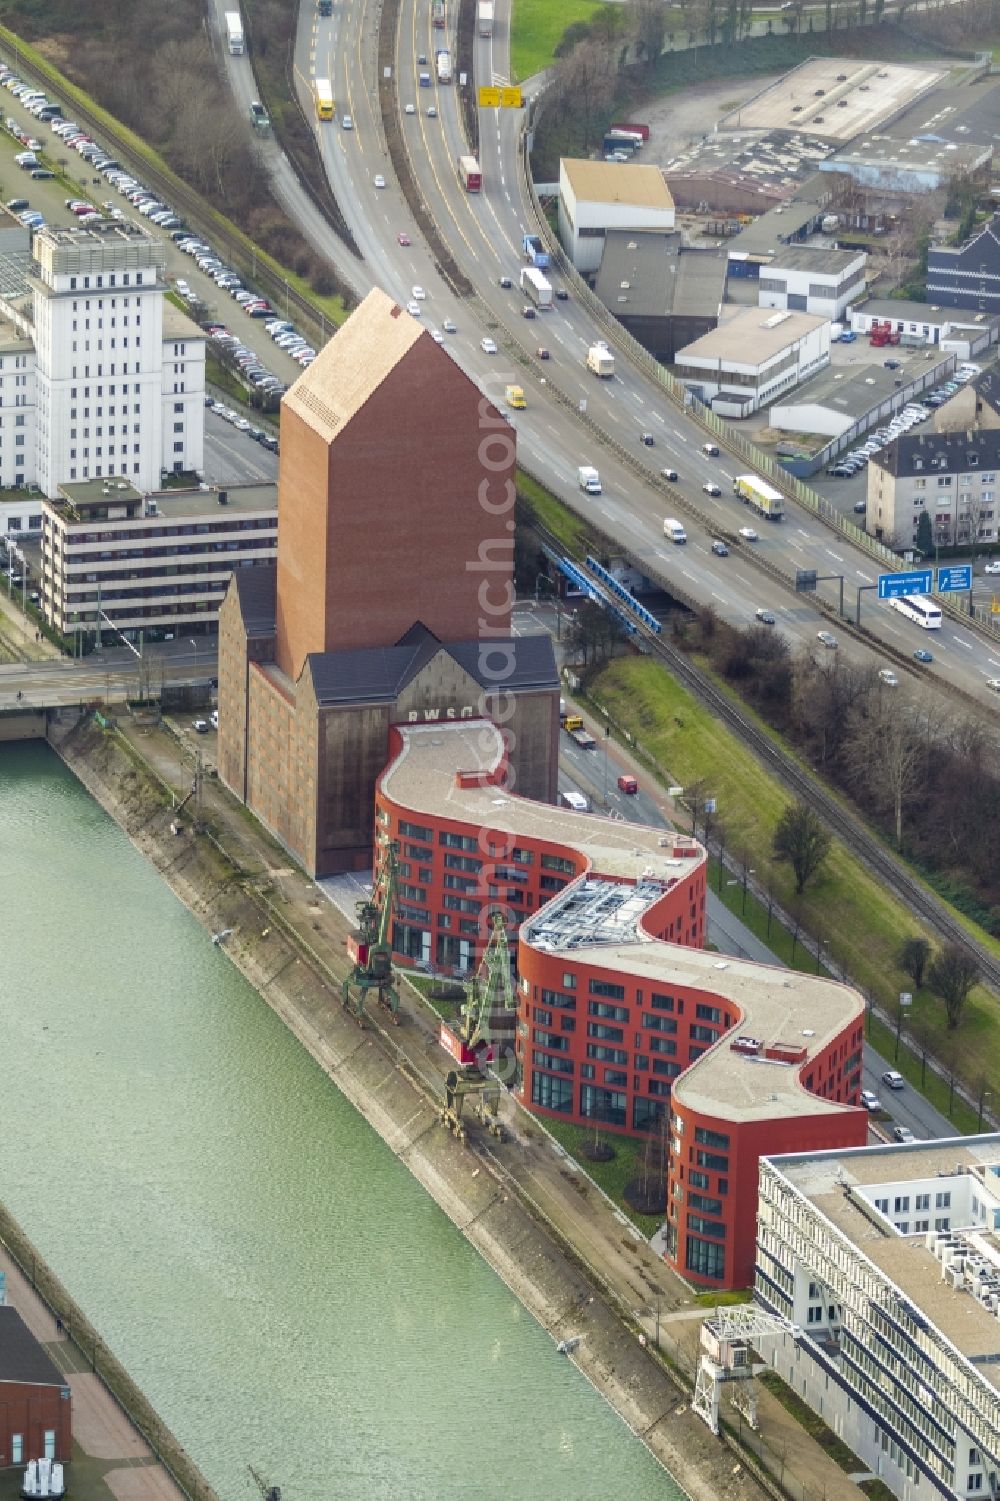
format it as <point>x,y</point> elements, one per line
<point>22,1357</point>
<point>379,674</point>
<point>353,365</point>
<point>951,453</point>
<point>256,590</point>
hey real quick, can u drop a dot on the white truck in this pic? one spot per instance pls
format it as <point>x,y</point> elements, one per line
<point>484,13</point>
<point>589,479</point>
<point>673,529</point>
<point>536,286</point>
<point>234,31</point>
<point>601,361</point>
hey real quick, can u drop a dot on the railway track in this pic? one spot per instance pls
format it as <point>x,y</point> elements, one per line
<point>881,862</point>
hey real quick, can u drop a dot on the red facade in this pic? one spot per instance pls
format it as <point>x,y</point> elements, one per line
<point>28,1413</point>
<point>632,1033</point>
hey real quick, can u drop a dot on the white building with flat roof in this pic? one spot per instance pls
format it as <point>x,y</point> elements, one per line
<point>886,1263</point>
<point>753,357</point>
<point>804,279</point>
<point>595,197</point>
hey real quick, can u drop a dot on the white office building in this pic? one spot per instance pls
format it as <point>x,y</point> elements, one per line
<point>99,374</point>
<point>752,357</point>
<point>807,280</point>
<point>885,1262</point>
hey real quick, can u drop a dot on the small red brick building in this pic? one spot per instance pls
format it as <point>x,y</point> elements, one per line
<point>623,1018</point>
<point>35,1399</point>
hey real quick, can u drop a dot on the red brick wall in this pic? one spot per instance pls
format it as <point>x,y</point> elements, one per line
<point>385,527</point>
<point>30,1411</point>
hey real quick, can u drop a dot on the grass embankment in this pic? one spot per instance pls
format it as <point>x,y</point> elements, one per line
<point>535,503</point>
<point>857,925</point>
<point>813,1424</point>
<point>70,94</point>
<point>537,29</point>
<point>613,1176</point>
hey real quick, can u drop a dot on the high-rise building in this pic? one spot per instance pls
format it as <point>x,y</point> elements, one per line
<point>392,594</point>
<point>100,376</point>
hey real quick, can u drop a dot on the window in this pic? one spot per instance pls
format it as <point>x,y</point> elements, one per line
<point>708,1013</point>
<point>569,981</point>
<point>49,1443</point>
<point>413,831</point>
<point>609,1034</point>
<point>720,1164</point>
<point>604,1055</point>
<point>922,1201</point>
<point>698,1180</point>
<point>602,1104</point>
<point>706,1258</point>
<point>942,1200</point>
<point>551,1092</point>
<point>559,999</point>
<point>658,1023</point>
<point>612,1013</point>
<point>557,1065</point>
<point>901,1204</point>
<point>556,862</point>
<point>700,1201</point>
<point>708,1138</point>
<point>661,1002</point>
<point>606,987</point>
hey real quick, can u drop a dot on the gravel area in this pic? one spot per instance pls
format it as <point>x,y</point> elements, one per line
<point>679,119</point>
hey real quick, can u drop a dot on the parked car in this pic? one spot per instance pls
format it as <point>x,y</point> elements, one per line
<point>870,1100</point>
<point>990,567</point>
<point>903,1134</point>
<point>893,1079</point>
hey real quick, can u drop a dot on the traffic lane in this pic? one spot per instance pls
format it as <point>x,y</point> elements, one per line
<point>234,458</point>
<point>906,1106</point>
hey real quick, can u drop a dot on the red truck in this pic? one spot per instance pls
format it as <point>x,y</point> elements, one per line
<point>640,130</point>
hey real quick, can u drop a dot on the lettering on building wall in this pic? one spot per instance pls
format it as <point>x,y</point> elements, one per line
<point>416,716</point>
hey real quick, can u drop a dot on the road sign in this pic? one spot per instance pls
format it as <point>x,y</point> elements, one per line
<point>489,98</point>
<point>510,98</point>
<point>805,580</point>
<point>952,580</point>
<point>896,585</point>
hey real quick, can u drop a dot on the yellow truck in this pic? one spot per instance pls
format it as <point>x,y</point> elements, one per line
<point>514,397</point>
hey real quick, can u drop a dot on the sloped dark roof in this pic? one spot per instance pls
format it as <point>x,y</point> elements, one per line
<point>515,664</point>
<point>22,1358</point>
<point>257,590</point>
<point>928,453</point>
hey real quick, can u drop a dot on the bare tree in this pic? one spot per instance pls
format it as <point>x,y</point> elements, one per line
<point>912,958</point>
<point>886,752</point>
<point>647,22</point>
<point>802,840</point>
<point>951,975</point>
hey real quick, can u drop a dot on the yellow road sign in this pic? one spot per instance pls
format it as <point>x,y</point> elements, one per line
<point>510,98</point>
<point>489,98</point>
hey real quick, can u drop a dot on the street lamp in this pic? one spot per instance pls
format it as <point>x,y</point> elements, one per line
<point>821,945</point>
<point>607,737</point>
<point>984,1095</point>
<point>747,872</point>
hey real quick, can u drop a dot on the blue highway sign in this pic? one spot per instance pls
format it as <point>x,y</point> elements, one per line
<point>951,580</point>
<point>896,585</point>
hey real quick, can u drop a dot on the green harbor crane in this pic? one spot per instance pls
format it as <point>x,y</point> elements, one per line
<point>489,999</point>
<point>369,947</point>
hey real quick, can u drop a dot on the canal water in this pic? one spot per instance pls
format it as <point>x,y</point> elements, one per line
<point>279,1286</point>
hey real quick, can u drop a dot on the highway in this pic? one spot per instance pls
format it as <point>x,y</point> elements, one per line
<point>482,232</point>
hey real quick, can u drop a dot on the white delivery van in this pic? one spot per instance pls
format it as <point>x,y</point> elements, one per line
<point>673,529</point>
<point>589,479</point>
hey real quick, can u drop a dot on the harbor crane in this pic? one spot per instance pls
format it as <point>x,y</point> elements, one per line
<point>268,1492</point>
<point>369,947</point>
<point>726,1341</point>
<point>485,1018</point>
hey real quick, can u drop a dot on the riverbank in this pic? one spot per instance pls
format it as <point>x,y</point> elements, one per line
<point>245,885</point>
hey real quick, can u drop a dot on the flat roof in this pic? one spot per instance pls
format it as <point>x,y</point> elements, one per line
<point>768,234</point>
<point>852,390</point>
<point>913,155</point>
<point>440,771</point>
<point>815,258</point>
<point>170,504</point>
<point>967,111</point>
<point>617,182</point>
<point>825,1180</point>
<point>177,324</point>
<point>774,163</point>
<point>749,336</point>
<point>835,97</point>
<point>648,274</point>
<point>913,312</point>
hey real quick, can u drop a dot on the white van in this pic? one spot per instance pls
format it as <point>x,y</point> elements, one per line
<point>673,529</point>
<point>574,800</point>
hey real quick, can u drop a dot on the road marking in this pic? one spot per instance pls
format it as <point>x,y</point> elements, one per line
<point>682,436</point>
<point>683,570</point>
<point>865,576</point>
<point>959,642</point>
<point>835,555</point>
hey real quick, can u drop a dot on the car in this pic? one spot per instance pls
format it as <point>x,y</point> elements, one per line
<point>506,283</point>
<point>18,205</point>
<point>41,174</point>
<point>990,567</point>
<point>347,123</point>
<point>848,336</point>
<point>748,534</point>
<point>450,326</point>
<point>628,784</point>
<point>410,109</point>
<point>413,308</point>
<point>720,549</point>
<point>888,677</point>
<point>379,180</point>
<point>561,294</point>
<point>860,507</point>
<point>841,471</point>
<point>870,1100</point>
<point>646,439</point>
<point>903,1134</point>
<point>893,364</point>
<point>422,59</point>
<point>403,238</point>
<point>710,450</point>
<point>825,639</point>
<point>200,726</point>
<point>993,684</point>
<point>765,617</point>
<point>431,112</point>
<point>418,294</point>
<point>181,286</point>
<point>214,719</point>
<point>488,346</point>
<point>893,1079</point>
<point>437,336</point>
<point>923,655</point>
<point>711,489</point>
<point>528,311</point>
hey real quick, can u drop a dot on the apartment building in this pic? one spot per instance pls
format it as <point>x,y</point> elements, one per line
<point>112,556</point>
<point>886,1263</point>
<point>967,276</point>
<point>624,1020</point>
<point>950,476</point>
<point>753,357</point>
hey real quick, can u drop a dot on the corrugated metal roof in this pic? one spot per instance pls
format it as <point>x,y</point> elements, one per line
<point>617,182</point>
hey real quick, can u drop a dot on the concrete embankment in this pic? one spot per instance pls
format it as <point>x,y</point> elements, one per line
<point>474,1190</point>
